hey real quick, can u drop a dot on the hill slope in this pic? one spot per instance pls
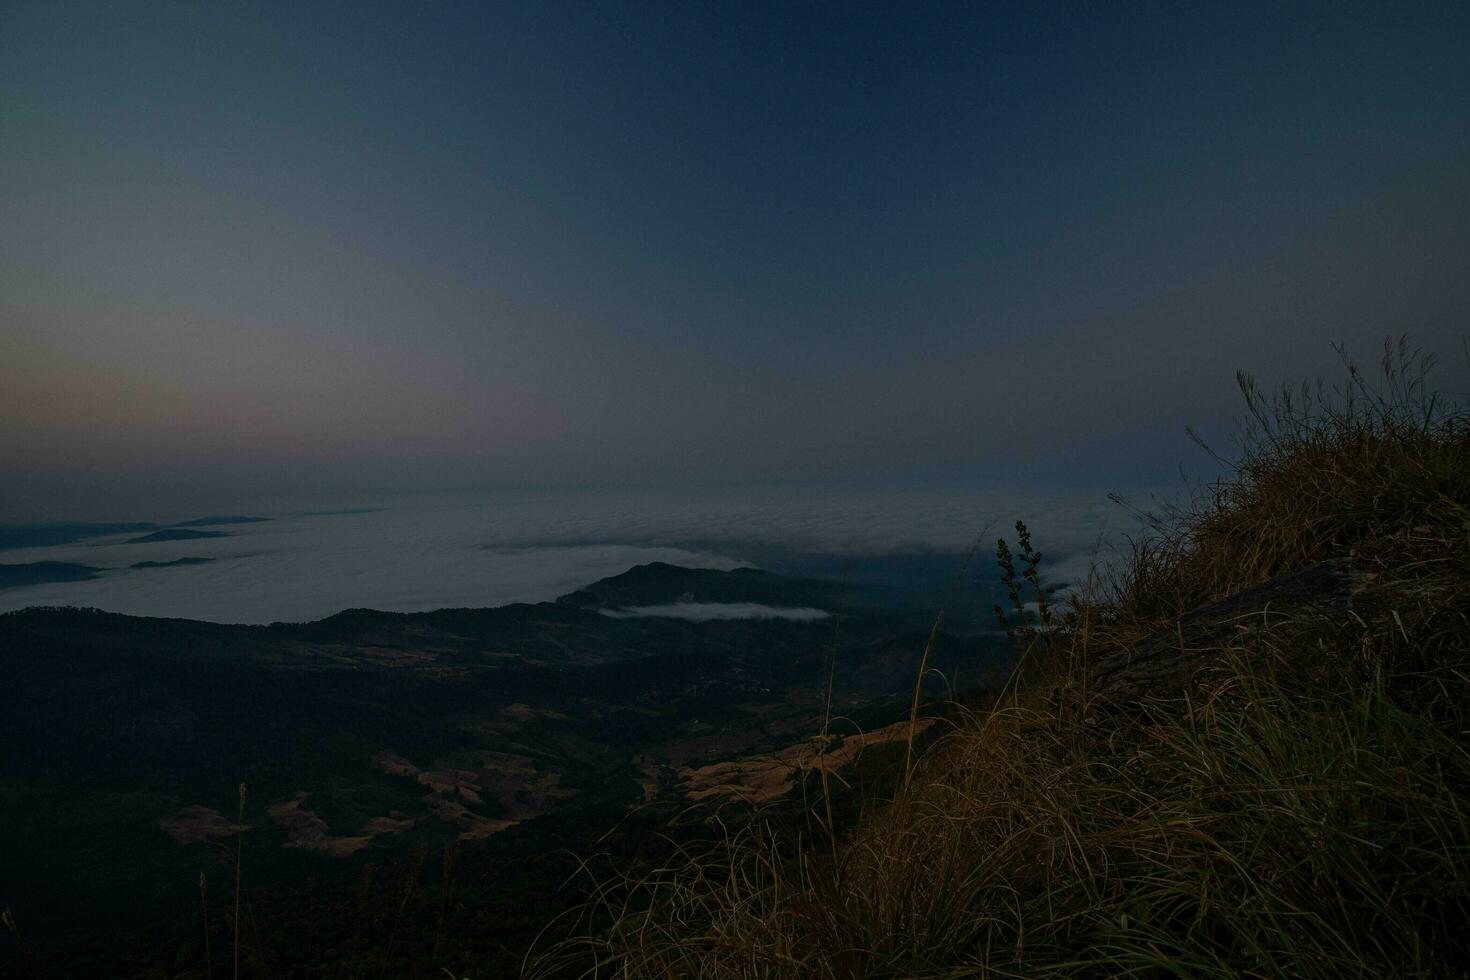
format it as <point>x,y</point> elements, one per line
<point>368,741</point>
<point>1243,753</point>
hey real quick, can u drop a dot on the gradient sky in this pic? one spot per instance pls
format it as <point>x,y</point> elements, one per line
<point>434,244</point>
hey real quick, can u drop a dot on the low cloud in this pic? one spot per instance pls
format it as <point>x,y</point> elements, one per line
<point>701,612</point>
<point>491,549</point>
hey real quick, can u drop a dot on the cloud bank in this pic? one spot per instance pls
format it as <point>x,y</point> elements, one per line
<point>703,612</point>
<point>475,550</point>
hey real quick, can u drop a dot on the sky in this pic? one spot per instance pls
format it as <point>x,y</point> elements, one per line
<point>260,247</point>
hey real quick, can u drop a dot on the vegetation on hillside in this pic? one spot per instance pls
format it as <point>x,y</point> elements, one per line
<point>1240,751</point>
<point>420,783</point>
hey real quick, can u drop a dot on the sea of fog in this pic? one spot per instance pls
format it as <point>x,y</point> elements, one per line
<point>413,553</point>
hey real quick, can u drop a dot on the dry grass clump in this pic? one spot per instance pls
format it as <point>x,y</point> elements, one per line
<point>1320,470</point>
<point>1303,809</point>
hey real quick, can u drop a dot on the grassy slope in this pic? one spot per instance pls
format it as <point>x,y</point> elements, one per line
<point>1302,808</point>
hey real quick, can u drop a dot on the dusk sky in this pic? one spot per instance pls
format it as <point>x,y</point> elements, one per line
<point>447,245</point>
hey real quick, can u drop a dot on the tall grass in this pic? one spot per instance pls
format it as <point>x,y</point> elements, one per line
<point>1302,809</point>
<point>204,910</point>
<point>1319,471</point>
<point>8,917</point>
<point>239,862</point>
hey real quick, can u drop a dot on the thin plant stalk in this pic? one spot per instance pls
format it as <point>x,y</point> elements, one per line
<point>826,732</point>
<point>908,765</point>
<point>204,908</point>
<point>239,852</point>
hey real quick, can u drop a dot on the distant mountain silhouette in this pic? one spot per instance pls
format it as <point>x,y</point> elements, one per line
<point>38,573</point>
<point>44,535</point>
<point>176,534</point>
<point>217,519</point>
<point>171,564</point>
